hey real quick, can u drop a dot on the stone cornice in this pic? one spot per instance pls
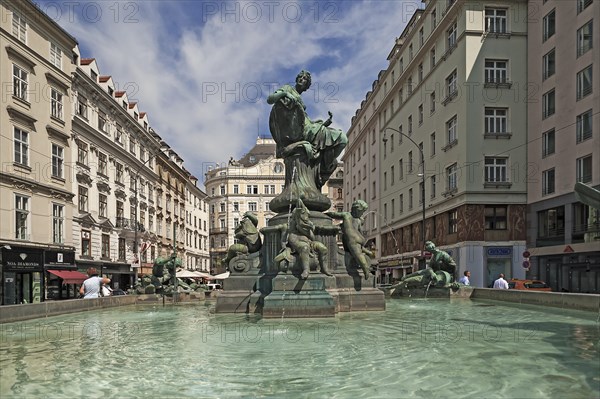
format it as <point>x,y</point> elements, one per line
<point>35,187</point>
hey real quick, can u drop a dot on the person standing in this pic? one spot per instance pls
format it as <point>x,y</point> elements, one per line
<point>92,286</point>
<point>465,279</point>
<point>501,283</point>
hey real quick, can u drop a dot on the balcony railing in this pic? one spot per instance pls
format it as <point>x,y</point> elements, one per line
<point>130,224</point>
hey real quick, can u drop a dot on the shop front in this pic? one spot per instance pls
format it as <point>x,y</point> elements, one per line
<point>120,274</point>
<point>391,271</point>
<point>22,275</point>
<point>62,278</point>
<point>498,260</point>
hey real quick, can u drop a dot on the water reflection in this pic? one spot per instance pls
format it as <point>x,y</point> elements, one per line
<point>416,348</point>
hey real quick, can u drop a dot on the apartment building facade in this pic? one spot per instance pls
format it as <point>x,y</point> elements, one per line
<point>196,208</point>
<point>564,144</point>
<point>247,184</point>
<point>443,136</point>
<point>35,128</point>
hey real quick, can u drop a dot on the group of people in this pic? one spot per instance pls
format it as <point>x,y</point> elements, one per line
<point>499,283</point>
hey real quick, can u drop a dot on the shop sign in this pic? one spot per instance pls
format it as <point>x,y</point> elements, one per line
<point>21,260</point>
<point>499,251</point>
<point>62,259</point>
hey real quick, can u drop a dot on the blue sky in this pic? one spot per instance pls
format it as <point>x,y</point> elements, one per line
<point>202,70</point>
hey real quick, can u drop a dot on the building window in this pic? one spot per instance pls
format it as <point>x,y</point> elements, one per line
<point>401,170</point>
<point>19,27</point>
<point>420,72</point>
<point>432,103</point>
<point>551,222</point>
<point>21,217</point>
<point>401,203</point>
<point>222,224</point>
<point>410,124</point>
<point>584,82</point>
<point>496,120</point>
<point>58,223</point>
<point>451,84</point>
<point>410,198</point>
<point>86,243</point>
<point>222,207</point>
<point>119,135</point>
<point>548,181</point>
<point>432,57</point>
<point>55,56</point>
<point>20,82</point>
<point>548,104</point>
<point>236,189</point>
<point>549,64</point>
<point>584,169</point>
<point>119,173</point>
<point>549,25</point>
<point>583,4</point>
<point>548,143</point>
<point>451,33</point>
<point>584,126</point>
<point>82,154</point>
<point>252,206</point>
<point>410,52</point>
<point>451,126</point>
<point>495,20</point>
<point>432,143</point>
<point>584,38</point>
<point>433,181</point>
<point>495,217</point>
<point>496,170</point>
<point>132,145</point>
<point>496,71</point>
<point>236,206</point>
<point>102,164</point>
<point>409,86</point>
<point>121,249</point>
<point>421,37</point>
<point>452,222</point>
<point>82,106</point>
<point>105,246</point>
<point>451,177</point>
<point>56,103</point>
<point>392,175</point>
<point>420,114</point>
<point>252,189</point>
<point>94,77</point>
<point>433,19</point>
<point>57,161</point>
<point>21,142</point>
<point>83,199</point>
<point>410,162</point>
<point>102,205</point>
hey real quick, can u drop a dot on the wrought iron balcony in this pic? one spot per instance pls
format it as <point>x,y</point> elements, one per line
<point>129,224</point>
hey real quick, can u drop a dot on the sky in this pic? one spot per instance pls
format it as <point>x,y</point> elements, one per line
<point>202,70</point>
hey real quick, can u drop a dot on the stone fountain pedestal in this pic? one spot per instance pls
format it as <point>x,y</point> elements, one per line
<point>256,286</point>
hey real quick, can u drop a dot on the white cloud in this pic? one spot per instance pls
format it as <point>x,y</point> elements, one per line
<point>204,86</point>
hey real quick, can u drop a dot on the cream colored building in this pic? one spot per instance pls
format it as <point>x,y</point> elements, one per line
<point>564,144</point>
<point>455,92</point>
<point>248,184</point>
<point>197,253</point>
<point>36,206</point>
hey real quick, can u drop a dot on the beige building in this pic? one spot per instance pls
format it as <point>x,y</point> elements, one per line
<point>564,145</point>
<point>196,208</point>
<point>248,184</point>
<point>452,99</point>
<point>36,204</point>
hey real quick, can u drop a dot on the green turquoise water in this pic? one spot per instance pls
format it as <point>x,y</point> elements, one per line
<point>416,348</point>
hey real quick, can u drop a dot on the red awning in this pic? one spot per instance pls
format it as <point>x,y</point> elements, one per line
<point>69,276</point>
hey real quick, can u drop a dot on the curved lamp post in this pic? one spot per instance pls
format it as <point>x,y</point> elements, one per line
<point>422,181</point>
<point>136,249</point>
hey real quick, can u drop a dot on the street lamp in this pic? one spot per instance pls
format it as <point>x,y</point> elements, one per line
<point>422,175</point>
<point>135,219</point>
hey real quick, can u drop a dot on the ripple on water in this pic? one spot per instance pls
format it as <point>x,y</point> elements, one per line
<point>427,348</point>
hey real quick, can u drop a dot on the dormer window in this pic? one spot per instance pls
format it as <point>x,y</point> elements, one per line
<point>94,76</point>
<point>124,104</point>
<point>110,91</point>
<point>136,116</point>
